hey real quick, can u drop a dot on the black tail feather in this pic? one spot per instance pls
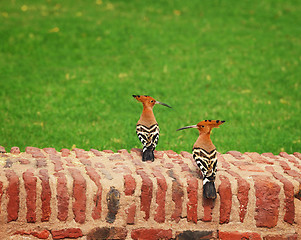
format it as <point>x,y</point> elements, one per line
<point>148,154</point>
<point>209,190</point>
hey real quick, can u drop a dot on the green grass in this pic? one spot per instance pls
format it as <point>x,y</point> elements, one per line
<point>68,70</point>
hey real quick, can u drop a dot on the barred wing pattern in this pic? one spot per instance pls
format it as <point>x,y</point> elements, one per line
<point>207,162</point>
<point>149,136</point>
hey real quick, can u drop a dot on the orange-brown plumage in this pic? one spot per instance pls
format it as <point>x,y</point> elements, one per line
<point>204,154</point>
<point>147,127</point>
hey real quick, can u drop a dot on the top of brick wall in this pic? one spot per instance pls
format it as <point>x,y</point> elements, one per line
<point>255,191</point>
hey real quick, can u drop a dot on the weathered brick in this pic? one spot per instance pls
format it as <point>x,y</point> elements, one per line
<point>284,165</point>
<point>38,234</point>
<point>192,204</point>
<point>194,235</point>
<point>125,153</point>
<point>281,237</point>
<point>297,154</point>
<point>15,150</point>
<point>1,193</point>
<point>160,197</point>
<point>30,182</point>
<point>65,152</point>
<point>288,157</point>
<point>243,188</point>
<point>235,154</point>
<point>293,173</point>
<point>13,195</point>
<point>131,213</point>
<point>50,150</point>
<point>177,196</point>
<point>107,233</point>
<point>41,162</point>
<point>56,160</point>
<point>151,234</point>
<point>116,157</point>
<point>158,154</point>
<point>81,154</point>
<point>270,155</point>
<point>129,185</point>
<point>79,195</point>
<point>35,152</point>
<point>239,235</point>
<point>173,155</point>
<point>289,196</point>
<point>225,193</point>
<point>251,168</point>
<point>96,214</point>
<point>45,195</point>
<point>267,201</point>
<point>62,196</point>
<point>107,151</point>
<point>257,158</point>
<point>67,233</point>
<point>146,193</point>
<point>113,202</point>
<point>23,161</point>
<point>2,149</point>
<point>96,152</point>
<point>208,205</point>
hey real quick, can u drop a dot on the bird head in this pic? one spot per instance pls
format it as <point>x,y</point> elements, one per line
<point>148,101</point>
<point>205,126</point>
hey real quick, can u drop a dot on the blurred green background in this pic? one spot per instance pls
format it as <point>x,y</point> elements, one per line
<point>68,70</point>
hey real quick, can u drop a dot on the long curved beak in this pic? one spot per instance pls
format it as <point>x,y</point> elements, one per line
<point>192,126</point>
<point>164,104</point>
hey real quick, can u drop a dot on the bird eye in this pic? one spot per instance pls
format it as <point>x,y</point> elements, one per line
<point>202,126</point>
<point>152,100</point>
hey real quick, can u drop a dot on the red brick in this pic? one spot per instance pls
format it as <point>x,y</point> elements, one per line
<point>125,153</point>
<point>270,155</point>
<point>79,195</point>
<point>116,157</point>
<point>13,195</point>
<point>294,173</point>
<point>38,234</point>
<point>96,214</point>
<point>62,196</point>
<point>160,197</point>
<point>41,162</point>
<point>45,195</point>
<point>23,161</point>
<point>158,154</point>
<point>129,185</point>
<point>208,205</point>
<point>281,237</point>
<point>131,212</point>
<point>172,154</point>
<point>151,234</point>
<point>235,154</point>
<point>267,201</point>
<point>2,149</point>
<point>177,196</point>
<point>250,168</point>
<point>35,152</point>
<point>220,159</point>
<point>192,204</point>
<point>146,193</point>
<point>107,151</point>
<point>103,233</point>
<point>69,162</point>
<point>50,150</point>
<point>1,193</point>
<point>297,154</point>
<point>225,193</point>
<point>30,182</point>
<point>289,196</point>
<point>96,152</point>
<point>56,160</point>
<point>256,157</point>
<point>239,236</point>
<point>15,150</point>
<point>65,152</point>
<point>284,165</point>
<point>288,157</point>
<point>80,153</point>
<point>67,233</point>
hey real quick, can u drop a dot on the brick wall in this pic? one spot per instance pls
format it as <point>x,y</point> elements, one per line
<point>45,194</point>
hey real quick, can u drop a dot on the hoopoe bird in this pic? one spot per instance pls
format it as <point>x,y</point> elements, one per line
<point>204,154</point>
<point>147,127</point>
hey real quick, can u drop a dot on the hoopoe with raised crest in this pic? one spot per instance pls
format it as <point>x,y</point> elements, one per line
<point>204,154</point>
<point>147,127</point>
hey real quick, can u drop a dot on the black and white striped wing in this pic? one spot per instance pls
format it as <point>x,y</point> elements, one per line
<point>148,136</point>
<point>207,162</point>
